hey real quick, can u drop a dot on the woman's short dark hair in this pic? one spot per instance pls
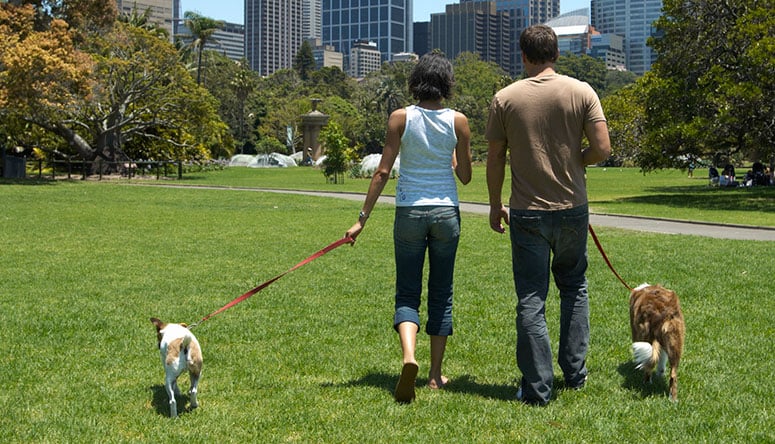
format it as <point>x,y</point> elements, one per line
<point>539,44</point>
<point>432,78</point>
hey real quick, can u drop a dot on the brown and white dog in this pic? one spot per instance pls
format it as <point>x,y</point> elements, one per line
<point>180,351</point>
<point>658,332</point>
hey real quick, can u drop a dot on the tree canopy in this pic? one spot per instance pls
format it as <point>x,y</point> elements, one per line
<point>120,92</point>
<point>712,90</point>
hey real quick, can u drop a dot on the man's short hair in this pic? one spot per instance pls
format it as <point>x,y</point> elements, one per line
<point>539,44</point>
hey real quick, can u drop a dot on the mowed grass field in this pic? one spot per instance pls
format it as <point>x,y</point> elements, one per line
<point>313,357</point>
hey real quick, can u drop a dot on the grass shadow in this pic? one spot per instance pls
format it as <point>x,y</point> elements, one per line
<point>633,381</point>
<point>707,198</point>
<point>27,181</point>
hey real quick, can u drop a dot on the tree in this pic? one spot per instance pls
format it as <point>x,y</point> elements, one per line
<point>616,80</point>
<point>625,113</point>
<point>202,30</point>
<point>242,84</point>
<point>476,81</point>
<point>304,62</point>
<point>44,79</point>
<point>146,104</point>
<point>130,94</point>
<point>335,144</point>
<point>83,16</point>
<point>585,68</point>
<point>331,81</point>
<point>142,20</point>
<point>715,80</point>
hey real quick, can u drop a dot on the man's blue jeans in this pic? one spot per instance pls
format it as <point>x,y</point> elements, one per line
<point>415,230</point>
<point>542,241</point>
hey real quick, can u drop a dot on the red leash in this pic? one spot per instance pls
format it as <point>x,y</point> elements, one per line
<point>329,247</point>
<point>600,248</point>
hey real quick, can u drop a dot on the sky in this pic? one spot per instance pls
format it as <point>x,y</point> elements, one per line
<point>232,10</point>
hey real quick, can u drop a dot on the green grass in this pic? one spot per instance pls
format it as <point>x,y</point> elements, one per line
<point>665,194</point>
<point>313,357</point>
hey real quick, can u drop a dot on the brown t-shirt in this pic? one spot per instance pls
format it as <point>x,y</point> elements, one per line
<point>542,121</point>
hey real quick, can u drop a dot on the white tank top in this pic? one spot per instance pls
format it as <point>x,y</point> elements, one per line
<point>427,145</point>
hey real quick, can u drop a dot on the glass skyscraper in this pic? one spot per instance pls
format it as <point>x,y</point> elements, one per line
<point>633,20</point>
<point>388,23</point>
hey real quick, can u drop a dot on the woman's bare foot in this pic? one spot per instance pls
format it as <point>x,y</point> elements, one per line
<point>437,383</point>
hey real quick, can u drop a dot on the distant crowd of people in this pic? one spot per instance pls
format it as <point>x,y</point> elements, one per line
<point>758,175</point>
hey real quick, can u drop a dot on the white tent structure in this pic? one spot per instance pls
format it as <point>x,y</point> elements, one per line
<point>273,160</point>
<point>370,163</point>
<point>241,160</point>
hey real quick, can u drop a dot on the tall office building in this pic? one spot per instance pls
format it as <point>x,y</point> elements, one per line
<point>163,13</point>
<point>364,58</point>
<point>312,12</point>
<point>473,27</point>
<point>633,20</point>
<point>388,23</point>
<point>273,34</point>
<point>523,13</point>
<point>421,38</point>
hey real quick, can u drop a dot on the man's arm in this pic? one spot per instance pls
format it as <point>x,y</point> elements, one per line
<point>599,143</point>
<point>496,166</point>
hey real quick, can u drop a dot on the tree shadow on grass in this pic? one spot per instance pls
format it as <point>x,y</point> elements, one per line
<point>633,381</point>
<point>707,198</point>
<point>27,181</point>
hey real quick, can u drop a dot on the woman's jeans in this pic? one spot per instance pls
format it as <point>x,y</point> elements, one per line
<point>415,230</point>
<point>542,241</point>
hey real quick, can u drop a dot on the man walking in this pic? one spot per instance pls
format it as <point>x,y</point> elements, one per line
<point>541,120</point>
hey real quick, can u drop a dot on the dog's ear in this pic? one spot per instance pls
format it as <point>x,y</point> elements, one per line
<point>159,324</point>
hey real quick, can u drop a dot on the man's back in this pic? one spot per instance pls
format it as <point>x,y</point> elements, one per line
<point>542,119</point>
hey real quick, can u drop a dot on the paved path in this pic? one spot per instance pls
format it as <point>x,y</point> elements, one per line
<point>653,225</point>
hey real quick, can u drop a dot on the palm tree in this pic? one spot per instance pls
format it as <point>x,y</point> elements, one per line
<point>202,30</point>
<point>142,21</point>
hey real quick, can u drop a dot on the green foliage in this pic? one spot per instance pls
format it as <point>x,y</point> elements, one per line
<point>270,145</point>
<point>335,146</point>
<point>616,80</point>
<point>202,30</point>
<point>625,113</point>
<point>304,61</point>
<point>476,81</point>
<point>585,68</point>
<point>331,81</point>
<point>716,67</point>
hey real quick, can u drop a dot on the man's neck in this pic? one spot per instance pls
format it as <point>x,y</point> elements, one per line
<point>545,69</point>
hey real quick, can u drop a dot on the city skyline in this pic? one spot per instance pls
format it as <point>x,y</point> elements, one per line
<point>232,11</point>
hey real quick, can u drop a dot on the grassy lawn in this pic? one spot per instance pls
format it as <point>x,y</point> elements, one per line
<point>313,357</point>
<point>665,194</point>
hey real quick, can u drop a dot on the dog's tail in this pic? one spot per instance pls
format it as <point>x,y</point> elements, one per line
<point>186,340</point>
<point>645,355</point>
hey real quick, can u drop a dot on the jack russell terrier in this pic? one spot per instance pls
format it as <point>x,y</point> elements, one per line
<point>180,351</point>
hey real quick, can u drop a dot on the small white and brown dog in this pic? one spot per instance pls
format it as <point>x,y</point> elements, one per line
<point>180,351</point>
<point>658,332</point>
